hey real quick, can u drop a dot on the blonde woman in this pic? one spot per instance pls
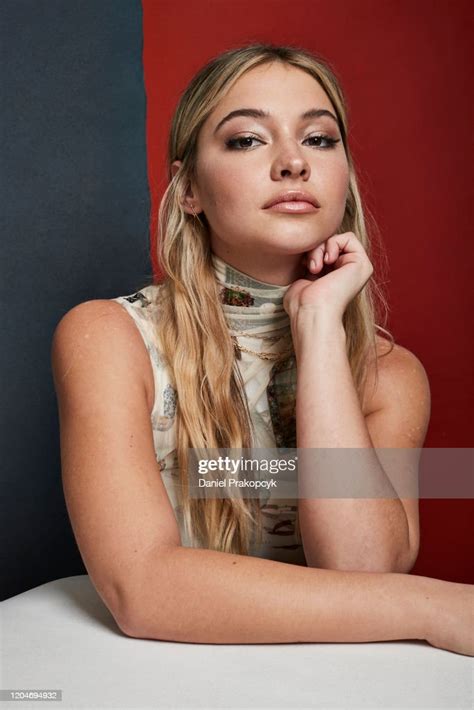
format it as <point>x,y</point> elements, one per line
<point>261,332</point>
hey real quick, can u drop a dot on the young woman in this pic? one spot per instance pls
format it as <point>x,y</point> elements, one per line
<point>262,332</point>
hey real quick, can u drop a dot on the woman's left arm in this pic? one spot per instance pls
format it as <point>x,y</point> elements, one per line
<point>378,534</point>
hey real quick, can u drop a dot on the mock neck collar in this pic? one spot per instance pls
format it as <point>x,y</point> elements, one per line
<point>261,330</point>
<point>254,292</point>
<point>249,303</point>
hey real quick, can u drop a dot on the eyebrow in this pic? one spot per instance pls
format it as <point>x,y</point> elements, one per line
<point>258,113</point>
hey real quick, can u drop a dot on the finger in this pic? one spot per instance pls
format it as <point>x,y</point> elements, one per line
<point>344,249</point>
<point>346,242</point>
<point>331,252</point>
<point>316,262</point>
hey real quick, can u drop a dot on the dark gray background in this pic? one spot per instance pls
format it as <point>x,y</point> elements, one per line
<point>75,214</point>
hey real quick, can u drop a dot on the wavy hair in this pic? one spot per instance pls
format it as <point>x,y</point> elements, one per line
<point>212,409</point>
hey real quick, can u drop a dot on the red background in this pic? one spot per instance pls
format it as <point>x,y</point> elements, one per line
<point>405,69</point>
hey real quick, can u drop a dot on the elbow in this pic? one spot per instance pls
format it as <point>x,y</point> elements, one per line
<point>120,602</point>
<point>129,618</point>
<point>401,563</point>
<point>123,612</point>
<point>130,627</point>
<point>127,628</point>
<point>160,625</point>
<point>130,623</point>
<point>405,561</point>
<point>114,600</point>
<point>354,566</point>
<point>149,610</point>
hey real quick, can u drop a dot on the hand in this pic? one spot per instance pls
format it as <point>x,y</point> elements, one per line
<point>451,613</point>
<point>350,269</point>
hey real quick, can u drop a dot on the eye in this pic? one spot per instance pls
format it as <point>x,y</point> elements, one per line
<point>237,143</point>
<point>330,142</point>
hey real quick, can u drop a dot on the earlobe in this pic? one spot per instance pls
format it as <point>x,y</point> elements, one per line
<point>190,203</point>
<point>193,207</point>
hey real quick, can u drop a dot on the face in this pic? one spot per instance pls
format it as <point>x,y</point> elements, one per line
<point>247,161</point>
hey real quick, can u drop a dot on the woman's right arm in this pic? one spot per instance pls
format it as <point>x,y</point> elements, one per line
<point>129,540</point>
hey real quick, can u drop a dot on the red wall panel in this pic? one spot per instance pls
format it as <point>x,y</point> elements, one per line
<point>404,68</point>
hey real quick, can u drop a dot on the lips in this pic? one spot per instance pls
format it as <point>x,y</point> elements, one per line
<point>292,196</point>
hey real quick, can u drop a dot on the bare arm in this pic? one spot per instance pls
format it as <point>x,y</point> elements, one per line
<point>205,596</point>
<point>378,534</point>
<point>129,539</point>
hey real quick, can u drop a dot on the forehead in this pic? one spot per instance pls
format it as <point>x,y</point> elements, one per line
<point>281,89</point>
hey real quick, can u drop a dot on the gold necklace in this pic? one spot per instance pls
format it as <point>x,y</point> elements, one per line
<point>266,356</point>
<point>268,338</point>
<point>261,355</point>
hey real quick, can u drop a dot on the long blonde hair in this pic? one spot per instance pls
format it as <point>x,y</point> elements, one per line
<point>212,409</point>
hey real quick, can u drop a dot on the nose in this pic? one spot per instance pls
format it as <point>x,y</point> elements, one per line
<point>290,162</point>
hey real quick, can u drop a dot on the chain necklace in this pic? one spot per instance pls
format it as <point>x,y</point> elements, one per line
<point>262,355</point>
<point>265,356</point>
<point>243,297</point>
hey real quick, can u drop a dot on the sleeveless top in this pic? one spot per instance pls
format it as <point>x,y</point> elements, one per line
<point>257,322</point>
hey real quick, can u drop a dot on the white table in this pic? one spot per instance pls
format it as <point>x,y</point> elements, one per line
<point>61,636</point>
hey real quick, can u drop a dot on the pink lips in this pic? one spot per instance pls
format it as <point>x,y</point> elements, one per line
<point>293,206</point>
<point>293,201</point>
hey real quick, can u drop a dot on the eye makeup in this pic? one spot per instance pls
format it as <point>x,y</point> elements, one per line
<point>235,143</point>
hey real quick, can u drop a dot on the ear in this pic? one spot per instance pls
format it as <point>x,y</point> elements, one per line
<point>191,201</point>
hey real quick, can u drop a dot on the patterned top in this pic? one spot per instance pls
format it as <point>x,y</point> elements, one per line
<point>258,322</point>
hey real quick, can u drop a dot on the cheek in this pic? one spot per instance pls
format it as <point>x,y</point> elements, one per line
<point>340,181</point>
<point>219,193</point>
<point>337,189</point>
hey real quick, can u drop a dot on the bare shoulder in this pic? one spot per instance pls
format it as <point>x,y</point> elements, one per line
<point>397,376</point>
<point>100,329</point>
<point>118,504</point>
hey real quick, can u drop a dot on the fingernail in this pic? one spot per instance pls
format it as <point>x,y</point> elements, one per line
<point>312,264</point>
<point>326,256</point>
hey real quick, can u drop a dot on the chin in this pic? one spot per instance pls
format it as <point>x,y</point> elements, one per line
<point>295,241</point>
